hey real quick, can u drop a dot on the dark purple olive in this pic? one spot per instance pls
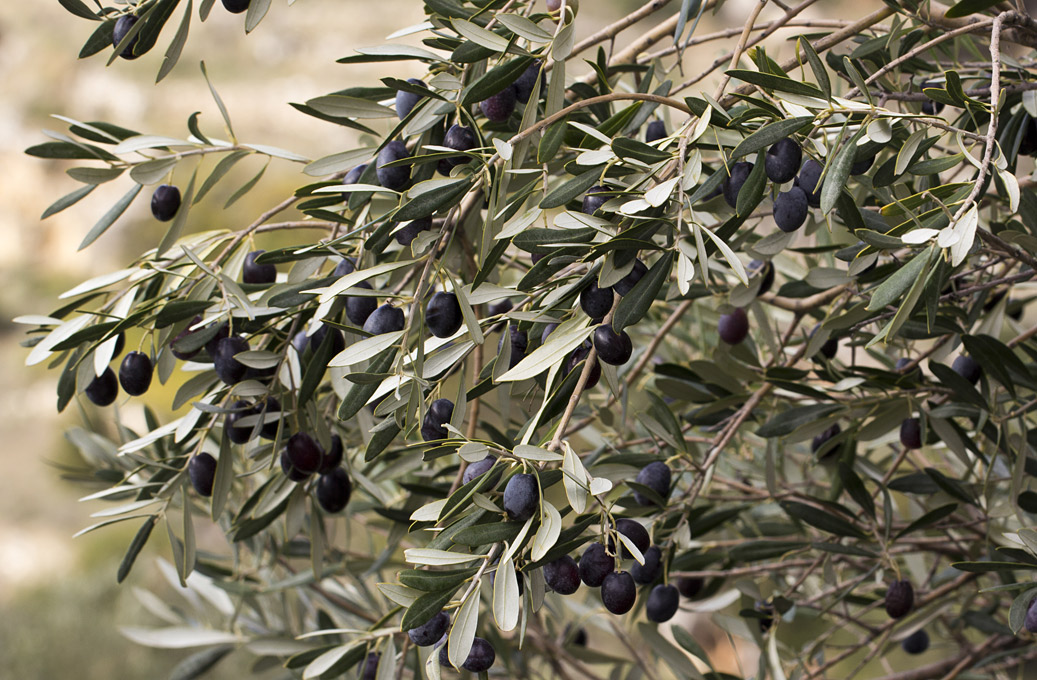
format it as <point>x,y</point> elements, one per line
<point>918,641</point>
<point>594,199</point>
<point>635,532</point>
<point>782,160</point>
<point>626,284</point>
<point>304,453</point>
<point>405,101</point>
<point>822,439</point>
<point>438,415</point>
<point>370,671</point>
<point>385,319</point>
<point>428,633</point>
<point>201,470</point>
<point>657,477</point>
<point>733,183</point>
<point>764,269</point>
<point>790,209</point>
<point>651,569</point>
<point>257,273</point>
<point>408,232</point>
<point>967,368</point>
<point>332,457</point>
<point>333,490</point>
<point>236,6</point>
<point>165,202</point>
<point>900,598</point>
<point>662,604</point>
<point>527,81</point>
<point>519,343</point>
<point>443,315</point>
<point>103,389</point>
<point>459,138</point>
<point>596,564</point>
<point>230,370</point>
<point>121,30</point>
<point>396,177</point>
<point>577,357</point>
<point>239,434</point>
<point>612,347</point>
<point>562,575</point>
<point>135,373</point>
<point>480,657</point>
<point>499,107</point>
<point>360,307</point>
<point>618,592</point>
<point>290,471</point>
<point>1030,622</point>
<point>734,327</point>
<point>521,497</point>
<point>596,302</point>
<point>809,181</point>
<point>690,586</point>
<point>477,469</point>
<point>269,429</point>
<point>911,433</point>
<point>655,131</point>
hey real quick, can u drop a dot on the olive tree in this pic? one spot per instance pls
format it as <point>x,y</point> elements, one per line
<point>579,339</point>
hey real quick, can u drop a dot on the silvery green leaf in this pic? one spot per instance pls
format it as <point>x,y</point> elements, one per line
<point>368,348</point>
<point>480,36</point>
<point>575,479</point>
<point>436,557</point>
<point>178,637</point>
<point>506,599</point>
<point>462,632</point>
<point>547,535</point>
<point>559,344</point>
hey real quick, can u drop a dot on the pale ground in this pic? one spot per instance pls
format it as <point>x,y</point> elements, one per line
<point>288,58</point>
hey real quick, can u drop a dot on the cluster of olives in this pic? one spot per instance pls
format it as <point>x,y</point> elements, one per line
<point>782,164</point>
<point>135,373</point>
<point>434,633</point>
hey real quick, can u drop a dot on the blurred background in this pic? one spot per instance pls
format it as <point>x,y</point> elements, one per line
<point>60,607</point>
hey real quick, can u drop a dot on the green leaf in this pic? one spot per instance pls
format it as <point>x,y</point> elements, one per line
<point>825,520</point>
<point>751,193</point>
<point>429,202</point>
<point>985,567</point>
<point>200,663</point>
<point>817,66</point>
<point>79,8</point>
<point>928,519</point>
<point>769,134</point>
<point>221,169</point>
<point>838,173</point>
<point>435,581</point>
<point>109,217</point>
<point>624,147</point>
<point>425,607</point>
<point>684,638</point>
<point>967,7</point>
<point>635,304</point>
<point>551,142</point>
<point>358,395</point>
<point>1020,606</point>
<point>177,44</point>
<point>791,419</point>
<point>99,40</point>
<point>576,186</point>
<point>495,80</point>
<point>769,81</point>
<point>68,200</point>
<point>893,287</point>
<point>135,547</point>
<point>486,534</point>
